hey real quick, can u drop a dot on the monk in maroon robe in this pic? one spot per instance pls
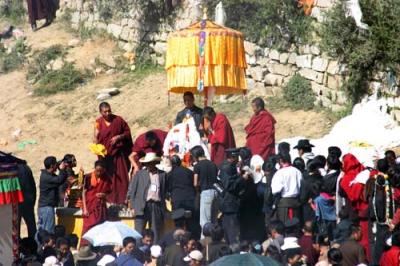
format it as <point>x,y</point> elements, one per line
<point>114,133</point>
<point>150,142</point>
<point>41,9</point>
<point>261,131</point>
<point>219,133</point>
<point>97,186</point>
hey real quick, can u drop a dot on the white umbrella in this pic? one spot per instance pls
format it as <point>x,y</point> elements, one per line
<point>110,233</point>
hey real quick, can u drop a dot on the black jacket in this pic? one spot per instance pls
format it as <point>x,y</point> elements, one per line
<point>180,184</point>
<point>49,186</point>
<point>197,114</point>
<point>28,185</point>
<point>233,185</point>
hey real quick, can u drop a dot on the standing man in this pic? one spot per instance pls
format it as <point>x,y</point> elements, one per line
<point>150,142</point>
<point>285,185</point>
<point>304,148</point>
<point>220,134</point>
<point>261,131</point>
<point>147,191</point>
<point>353,253</point>
<point>48,198</point>
<point>41,9</point>
<point>190,109</point>
<point>229,198</point>
<point>114,133</point>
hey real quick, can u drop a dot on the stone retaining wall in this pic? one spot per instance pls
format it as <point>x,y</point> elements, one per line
<point>268,70</point>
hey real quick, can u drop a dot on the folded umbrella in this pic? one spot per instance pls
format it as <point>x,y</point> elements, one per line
<point>244,260</point>
<point>110,233</point>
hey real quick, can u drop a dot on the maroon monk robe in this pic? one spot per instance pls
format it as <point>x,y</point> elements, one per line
<point>96,207</point>
<point>261,134</point>
<point>221,139</point>
<point>41,9</point>
<point>141,148</point>
<point>117,155</point>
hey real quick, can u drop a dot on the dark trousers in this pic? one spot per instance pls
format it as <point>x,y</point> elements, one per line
<point>230,223</point>
<point>26,211</point>
<point>192,223</point>
<point>377,241</point>
<point>153,215</point>
<point>288,208</point>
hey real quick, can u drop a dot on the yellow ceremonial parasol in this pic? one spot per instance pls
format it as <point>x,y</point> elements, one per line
<point>206,56</point>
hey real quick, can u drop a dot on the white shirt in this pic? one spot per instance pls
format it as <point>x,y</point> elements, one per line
<point>287,181</point>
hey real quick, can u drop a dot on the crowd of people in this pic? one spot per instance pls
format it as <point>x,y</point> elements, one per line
<point>308,210</point>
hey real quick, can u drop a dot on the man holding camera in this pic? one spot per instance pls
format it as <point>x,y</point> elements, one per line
<point>230,191</point>
<point>49,192</point>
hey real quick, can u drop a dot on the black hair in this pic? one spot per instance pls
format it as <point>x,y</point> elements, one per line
<point>69,158</point>
<point>104,105</point>
<point>197,152</point>
<point>320,160</point>
<point>217,233</point>
<point>127,240</point>
<point>283,147</point>
<point>333,162</point>
<point>245,155</point>
<point>382,165</point>
<point>209,112</point>
<point>312,166</point>
<point>28,244</point>
<point>150,136</point>
<point>354,228</point>
<point>308,228</point>
<point>336,151</point>
<point>270,164</point>
<point>107,250</point>
<point>335,256</point>
<point>245,246</point>
<point>396,239</point>
<point>47,238</point>
<point>62,241</point>
<point>259,103</point>
<point>100,163</point>
<point>344,214</point>
<point>285,157</point>
<point>59,230</point>
<point>148,233</point>
<point>188,93</point>
<point>390,152</point>
<point>41,234</point>
<point>278,226</point>
<point>49,251</point>
<point>73,240</point>
<point>176,161</point>
<point>394,176</point>
<point>299,164</point>
<point>49,162</point>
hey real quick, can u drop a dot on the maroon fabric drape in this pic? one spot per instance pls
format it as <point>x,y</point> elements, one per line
<point>221,139</point>
<point>117,155</point>
<point>141,148</point>
<point>261,134</point>
<point>41,9</point>
<point>97,208</point>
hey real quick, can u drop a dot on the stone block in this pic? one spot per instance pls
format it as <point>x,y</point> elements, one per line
<point>108,61</point>
<point>312,75</point>
<point>266,52</point>
<point>100,25</point>
<point>283,58</point>
<point>250,48</point>
<point>133,24</point>
<point>333,67</point>
<point>263,61</point>
<point>250,83</point>
<point>251,60</point>
<point>315,50</point>
<point>325,3</point>
<point>304,61</point>
<point>274,55</point>
<point>396,115</point>
<point>124,22</point>
<point>273,79</point>
<point>124,34</point>
<point>280,69</point>
<point>292,58</point>
<point>257,73</point>
<point>114,30</point>
<point>160,47</point>
<point>334,82</point>
<point>160,60</point>
<point>320,64</point>
<point>129,47</point>
<point>320,90</point>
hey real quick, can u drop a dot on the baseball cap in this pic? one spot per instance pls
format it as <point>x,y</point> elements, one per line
<point>194,255</point>
<point>155,251</point>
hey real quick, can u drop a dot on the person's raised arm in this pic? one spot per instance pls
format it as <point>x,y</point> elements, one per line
<point>135,164</point>
<point>84,208</point>
<point>96,133</point>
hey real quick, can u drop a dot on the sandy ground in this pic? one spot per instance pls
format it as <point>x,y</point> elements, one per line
<point>63,123</point>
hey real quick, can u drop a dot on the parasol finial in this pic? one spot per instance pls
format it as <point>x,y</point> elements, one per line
<point>205,9</point>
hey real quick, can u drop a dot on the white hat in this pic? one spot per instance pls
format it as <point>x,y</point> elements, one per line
<point>194,255</point>
<point>289,243</point>
<point>105,259</point>
<point>165,165</point>
<point>155,251</point>
<point>150,157</point>
<point>51,261</point>
<point>256,164</point>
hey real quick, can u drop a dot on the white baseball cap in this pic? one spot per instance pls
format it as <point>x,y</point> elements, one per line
<point>155,251</point>
<point>194,255</point>
<point>105,260</point>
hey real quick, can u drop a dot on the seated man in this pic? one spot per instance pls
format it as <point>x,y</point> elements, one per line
<point>150,142</point>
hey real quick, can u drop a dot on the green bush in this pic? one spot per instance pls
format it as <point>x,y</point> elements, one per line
<point>298,93</point>
<point>277,23</point>
<point>11,60</point>
<point>364,51</point>
<point>38,67</point>
<point>53,81</point>
<point>13,11</point>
